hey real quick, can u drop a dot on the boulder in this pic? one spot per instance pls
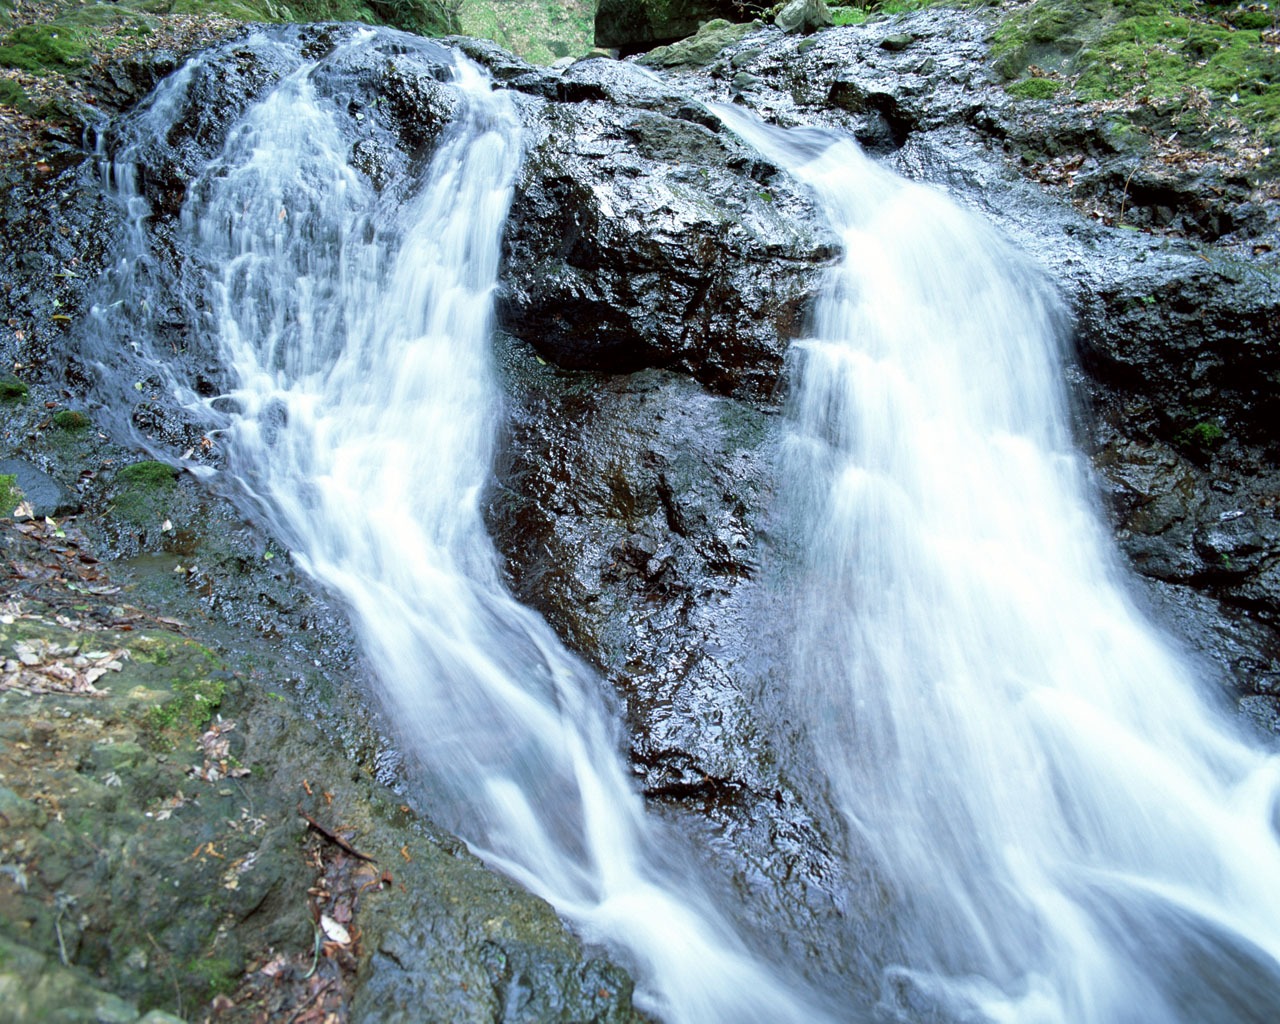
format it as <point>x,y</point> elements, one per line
<point>699,49</point>
<point>804,16</point>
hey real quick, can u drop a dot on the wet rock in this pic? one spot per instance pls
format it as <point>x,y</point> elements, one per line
<point>639,236</point>
<point>632,512</point>
<point>45,495</point>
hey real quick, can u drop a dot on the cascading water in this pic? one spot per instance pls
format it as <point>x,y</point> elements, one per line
<point>1066,834</point>
<point>357,330</point>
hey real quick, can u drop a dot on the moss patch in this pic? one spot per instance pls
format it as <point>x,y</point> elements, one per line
<point>1172,52</point>
<point>1033,88</point>
<point>12,389</point>
<point>142,492</point>
<point>70,419</point>
<point>10,495</point>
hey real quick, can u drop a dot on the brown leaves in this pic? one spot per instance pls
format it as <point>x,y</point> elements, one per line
<point>40,666</point>
<point>215,745</point>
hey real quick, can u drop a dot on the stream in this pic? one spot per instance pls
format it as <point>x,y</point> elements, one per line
<point>1064,832</point>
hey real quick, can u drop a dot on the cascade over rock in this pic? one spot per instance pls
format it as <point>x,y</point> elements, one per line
<point>654,270</point>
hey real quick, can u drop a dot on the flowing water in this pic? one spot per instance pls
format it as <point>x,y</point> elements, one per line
<point>1068,835</point>
<point>1063,832</point>
<point>358,329</point>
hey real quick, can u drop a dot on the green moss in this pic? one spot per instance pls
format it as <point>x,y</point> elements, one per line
<point>186,713</point>
<point>12,389</point>
<point>217,975</point>
<point>10,495</point>
<point>13,95</point>
<point>1033,88</point>
<point>848,15</point>
<point>1161,58</point>
<point>537,30</point>
<point>70,419</point>
<point>42,48</point>
<point>142,492</point>
<point>66,44</point>
<point>147,474</point>
<point>1186,55</point>
<point>1202,438</point>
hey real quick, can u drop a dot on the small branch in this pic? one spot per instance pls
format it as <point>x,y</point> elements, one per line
<point>1124,198</point>
<point>334,838</point>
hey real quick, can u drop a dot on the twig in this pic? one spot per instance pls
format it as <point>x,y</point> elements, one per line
<point>334,838</point>
<point>1124,198</point>
<point>322,990</point>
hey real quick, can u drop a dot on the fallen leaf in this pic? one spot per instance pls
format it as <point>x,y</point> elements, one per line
<point>334,930</point>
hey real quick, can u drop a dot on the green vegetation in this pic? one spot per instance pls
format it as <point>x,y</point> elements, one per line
<point>537,30</point>
<point>1033,88</point>
<point>10,495</point>
<point>147,474</point>
<point>70,419</point>
<point>1203,438</point>
<point>143,489</point>
<point>66,44</point>
<point>1177,53</point>
<point>849,15</point>
<point>13,95</point>
<point>188,711</point>
<point>1157,57</point>
<point>217,975</point>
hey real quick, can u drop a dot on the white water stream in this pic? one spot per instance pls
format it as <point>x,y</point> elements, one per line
<point>1069,835</point>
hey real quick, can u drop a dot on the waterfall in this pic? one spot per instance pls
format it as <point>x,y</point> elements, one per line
<point>1066,833</point>
<point>357,327</point>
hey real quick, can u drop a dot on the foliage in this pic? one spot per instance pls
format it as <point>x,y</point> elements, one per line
<point>64,45</point>
<point>537,30</point>
<point>1204,437</point>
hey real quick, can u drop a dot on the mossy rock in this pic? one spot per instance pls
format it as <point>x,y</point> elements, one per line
<point>143,490</point>
<point>12,389</point>
<point>699,49</point>
<point>1147,50</point>
<point>71,420</point>
<point>1033,89</point>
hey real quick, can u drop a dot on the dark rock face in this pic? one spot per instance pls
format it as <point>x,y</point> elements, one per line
<point>643,236</point>
<point>634,25</point>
